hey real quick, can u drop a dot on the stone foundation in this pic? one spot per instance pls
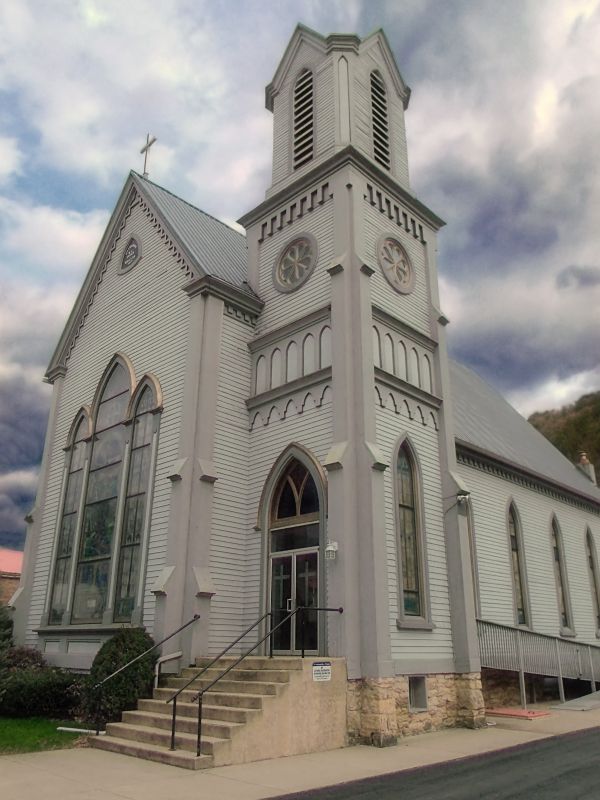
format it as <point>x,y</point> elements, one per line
<point>379,713</point>
<point>500,688</point>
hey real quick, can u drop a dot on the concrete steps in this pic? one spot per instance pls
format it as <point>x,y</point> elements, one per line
<point>238,699</point>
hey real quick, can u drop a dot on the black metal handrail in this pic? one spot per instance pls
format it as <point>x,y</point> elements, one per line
<point>269,635</point>
<point>173,698</point>
<point>98,686</point>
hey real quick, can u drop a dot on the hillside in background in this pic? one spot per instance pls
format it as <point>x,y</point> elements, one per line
<point>573,429</point>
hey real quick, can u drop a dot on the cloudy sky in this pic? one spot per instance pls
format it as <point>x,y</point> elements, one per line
<point>504,144</point>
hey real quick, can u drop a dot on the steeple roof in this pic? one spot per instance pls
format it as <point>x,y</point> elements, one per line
<point>327,44</point>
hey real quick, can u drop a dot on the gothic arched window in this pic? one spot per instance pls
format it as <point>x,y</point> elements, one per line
<point>379,115</point>
<point>105,515</point>
<point>304,134</point>
<point>560,577</point>
<point>413,607</point>
<point>518,567</point>
<point>592,560</point>
<point>70,515</point>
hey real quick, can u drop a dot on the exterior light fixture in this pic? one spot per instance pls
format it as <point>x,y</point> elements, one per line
<point>331,550</point>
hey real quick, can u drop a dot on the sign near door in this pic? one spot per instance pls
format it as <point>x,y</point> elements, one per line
<point>321,670</point>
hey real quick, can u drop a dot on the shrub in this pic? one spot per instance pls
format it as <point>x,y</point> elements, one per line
<point>16,658</point>
<point>6,626</point>
<point>123,691</point>
<point>38,692</point>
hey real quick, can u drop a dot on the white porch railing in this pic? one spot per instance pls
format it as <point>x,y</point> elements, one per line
<point>508,648</point>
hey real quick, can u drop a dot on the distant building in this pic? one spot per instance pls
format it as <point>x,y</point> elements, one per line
<point>10,573</point>
<point>244,424</point>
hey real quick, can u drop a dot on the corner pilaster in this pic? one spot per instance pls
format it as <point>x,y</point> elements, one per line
<point>356,488</point>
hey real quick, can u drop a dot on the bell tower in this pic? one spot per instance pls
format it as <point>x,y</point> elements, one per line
<point>341,235</point>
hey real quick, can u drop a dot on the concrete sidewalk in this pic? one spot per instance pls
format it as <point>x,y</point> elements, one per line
<point>89,774</point>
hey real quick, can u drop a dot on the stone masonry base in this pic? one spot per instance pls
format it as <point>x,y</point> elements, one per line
<point>379,713</point>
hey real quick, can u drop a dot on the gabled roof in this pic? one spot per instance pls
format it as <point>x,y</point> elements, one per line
<point>214,247</point>
<point>484,420</point>
<point>326,44</point>
<point>210,248</point>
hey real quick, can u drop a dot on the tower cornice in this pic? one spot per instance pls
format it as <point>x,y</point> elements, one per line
<point>349,156</point>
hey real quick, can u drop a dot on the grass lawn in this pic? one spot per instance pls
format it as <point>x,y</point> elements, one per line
<point>32,734</point>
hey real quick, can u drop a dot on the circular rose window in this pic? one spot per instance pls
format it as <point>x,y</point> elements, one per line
<point>395,264</point>
<point>295,263</point>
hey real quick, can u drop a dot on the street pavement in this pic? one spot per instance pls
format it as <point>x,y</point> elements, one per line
<point>560,768</point>
<point>566,765</point>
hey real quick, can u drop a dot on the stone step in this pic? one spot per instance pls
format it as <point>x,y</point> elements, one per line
<point>263,675</point>
<point>232,699</point>
<point>226,685</point>
<point>128,747</point>
<point>210,727</point>
<point>256,662</point>
<point>162,738</point>
<point>224,713</point>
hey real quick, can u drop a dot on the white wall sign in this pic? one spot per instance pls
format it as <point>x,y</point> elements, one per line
<point>321,670</point>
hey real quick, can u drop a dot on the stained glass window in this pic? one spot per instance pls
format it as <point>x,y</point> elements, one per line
<point>68,526</point>
<point>408,536</point>
<point>517,568</point>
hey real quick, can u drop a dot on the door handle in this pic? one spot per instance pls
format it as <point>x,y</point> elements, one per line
<point>288,604</point>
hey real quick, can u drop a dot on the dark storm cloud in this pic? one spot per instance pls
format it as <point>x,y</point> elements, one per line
<point>578,277</point>
<point>525,355</point>
<point>23,417</point>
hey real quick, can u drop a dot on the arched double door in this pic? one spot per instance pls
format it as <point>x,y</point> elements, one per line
<point>294,568</point>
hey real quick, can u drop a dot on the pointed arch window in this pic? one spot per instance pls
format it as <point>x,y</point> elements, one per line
<point>592,560</point>
<point>379,116</point>
<point>304,119</point>
<point>518,567</point>
<point>70,515</point>
<point>413,605</point>
<point>560,578</point>
<point>136,506</point>
<point>105,518</point>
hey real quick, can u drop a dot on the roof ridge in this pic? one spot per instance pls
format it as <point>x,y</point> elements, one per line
<point>187,203</point>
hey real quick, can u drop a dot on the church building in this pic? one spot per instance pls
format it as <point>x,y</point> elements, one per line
<point>245,425</point>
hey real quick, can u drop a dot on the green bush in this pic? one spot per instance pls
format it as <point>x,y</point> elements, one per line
<point>38,692</point>
<point>123,691</point>
<point>6,626</point>
<point>15,658</point>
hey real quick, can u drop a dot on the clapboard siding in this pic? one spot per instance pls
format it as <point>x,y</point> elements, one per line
<point>282,308</point>
<point>312,429</point>
<point>408,644</point>
<point>130,313</point>
<point>412,309</point>
<point>228,539</point>
<point>490,496</point>
<point>363,138</point>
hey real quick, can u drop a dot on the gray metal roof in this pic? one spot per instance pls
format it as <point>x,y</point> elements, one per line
<point>216,248</point>
<point>484,419</point>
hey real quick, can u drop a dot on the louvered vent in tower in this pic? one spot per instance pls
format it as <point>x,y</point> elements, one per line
<point>379,112</point>
<point>304,134</point>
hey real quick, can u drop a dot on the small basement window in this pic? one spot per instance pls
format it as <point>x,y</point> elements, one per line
<point>417,693</point>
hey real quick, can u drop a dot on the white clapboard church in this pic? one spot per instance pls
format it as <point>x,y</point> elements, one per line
<point>252,424</point>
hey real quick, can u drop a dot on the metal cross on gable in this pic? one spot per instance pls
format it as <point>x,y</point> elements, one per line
<point>149,142</point>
